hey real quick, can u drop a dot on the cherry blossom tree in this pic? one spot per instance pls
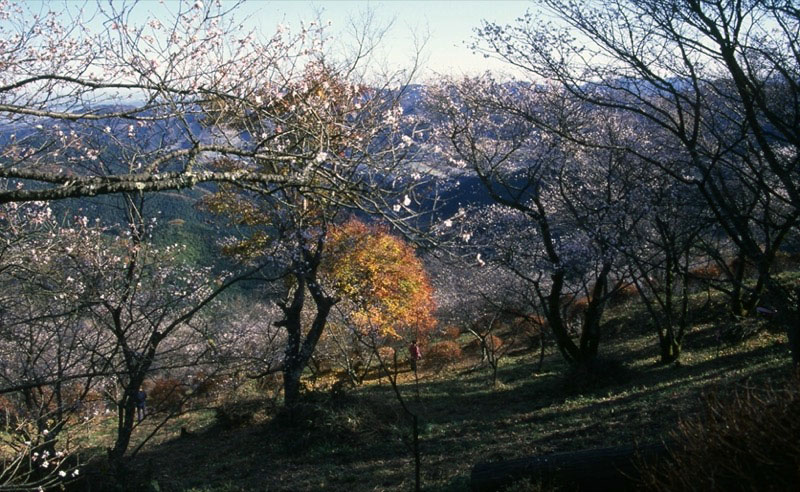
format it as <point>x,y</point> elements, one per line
<point>664,239</point>
<point>163,93</point>
<point>47,369</point>
<point>192,97</point>
<point>548,225</point>
<point>146,300</point>
<point>714,84</point>
<point>96,310</point>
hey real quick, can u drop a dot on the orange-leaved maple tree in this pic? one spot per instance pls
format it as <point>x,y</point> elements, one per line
<point>384,281</point>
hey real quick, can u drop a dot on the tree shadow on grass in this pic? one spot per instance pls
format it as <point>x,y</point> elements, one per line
<point>357,442</point>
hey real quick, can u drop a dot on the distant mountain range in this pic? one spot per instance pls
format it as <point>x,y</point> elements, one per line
<point>176,212</point>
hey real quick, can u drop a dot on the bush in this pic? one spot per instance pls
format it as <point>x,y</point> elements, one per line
<point>706,272</point>
<point>493,343</point>
<point>9,413</point>
<point>387,355</point>
<point>92,404</point>
<point>740,330</point>
<point>442,354</point>
<point>166,395</point>
<point>529,328</point>
<point>574,310</point>
<point>475,346</point>
<point>747,442</point>
<point>623,295</point>
<point>322,422</point>
<point>204,385</point>
<point>235,413</point>
<point>451,332</point>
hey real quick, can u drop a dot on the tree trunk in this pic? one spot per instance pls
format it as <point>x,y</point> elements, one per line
<point>126,415</point>
<point>787,313</point>
<point>670,347</point>
<point>737,293</point>
<point>555,319</point>
<point>291,384</point>
<point>590,333</point>
<point>298,349</point>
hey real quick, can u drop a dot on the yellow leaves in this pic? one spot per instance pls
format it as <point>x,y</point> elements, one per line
<point>382,276</point>
<point>249,247</point>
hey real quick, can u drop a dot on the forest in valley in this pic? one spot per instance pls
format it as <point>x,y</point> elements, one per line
<point>247,260</point>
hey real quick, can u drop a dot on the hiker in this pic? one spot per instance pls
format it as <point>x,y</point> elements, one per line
<point>415,355</point>
<point>141,401</point>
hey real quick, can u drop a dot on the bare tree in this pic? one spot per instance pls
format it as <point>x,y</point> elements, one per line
<point>714,85</point>
<point>553,223</point>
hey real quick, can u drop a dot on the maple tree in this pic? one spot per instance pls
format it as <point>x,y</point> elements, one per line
<point>382,278</point>
<point>386,295</point>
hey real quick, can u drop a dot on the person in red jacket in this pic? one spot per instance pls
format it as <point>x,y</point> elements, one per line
<point>415,355</point>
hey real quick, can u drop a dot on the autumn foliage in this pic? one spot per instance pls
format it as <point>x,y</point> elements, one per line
<point>166,395</point>
<point>442,354</point>
<point>382,277</point>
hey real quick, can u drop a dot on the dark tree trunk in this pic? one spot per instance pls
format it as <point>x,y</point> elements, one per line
<point>556,321</point>
<point>590,333</point>
<point>126,415</point>
<point>670,348</point>
<point>298,349</point>
<point>737,293</point>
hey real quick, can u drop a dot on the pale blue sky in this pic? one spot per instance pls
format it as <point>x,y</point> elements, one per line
<point>449,24</point>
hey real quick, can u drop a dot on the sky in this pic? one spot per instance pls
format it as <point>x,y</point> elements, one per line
<point>449,25</point>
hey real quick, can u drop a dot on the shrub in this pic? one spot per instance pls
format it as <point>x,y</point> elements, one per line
<point>451,332</point>
<point>166,395</point>
<point>475,346</point>
<point>706,272</point>
<point>85,402</point>
<point>574,310</point>
<point>234,413</point>
<point>624,294</point>
<point>93,403</point>
<point>493,343</point>
<point>749,268</point>
<point>747,442</point>
<point>737,331</point>
<point>787,260</point>
<point>529,328</point>
<point>9,413</point>
<point>387,355</point>
<point>204,385</point>
<point>442,354</point>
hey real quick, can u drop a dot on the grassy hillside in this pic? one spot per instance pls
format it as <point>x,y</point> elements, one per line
<point>359,440</point>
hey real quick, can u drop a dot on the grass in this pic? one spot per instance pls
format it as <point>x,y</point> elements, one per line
<point>359,440</point>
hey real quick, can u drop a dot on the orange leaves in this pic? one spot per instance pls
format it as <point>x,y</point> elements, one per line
<point>383,279</point>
